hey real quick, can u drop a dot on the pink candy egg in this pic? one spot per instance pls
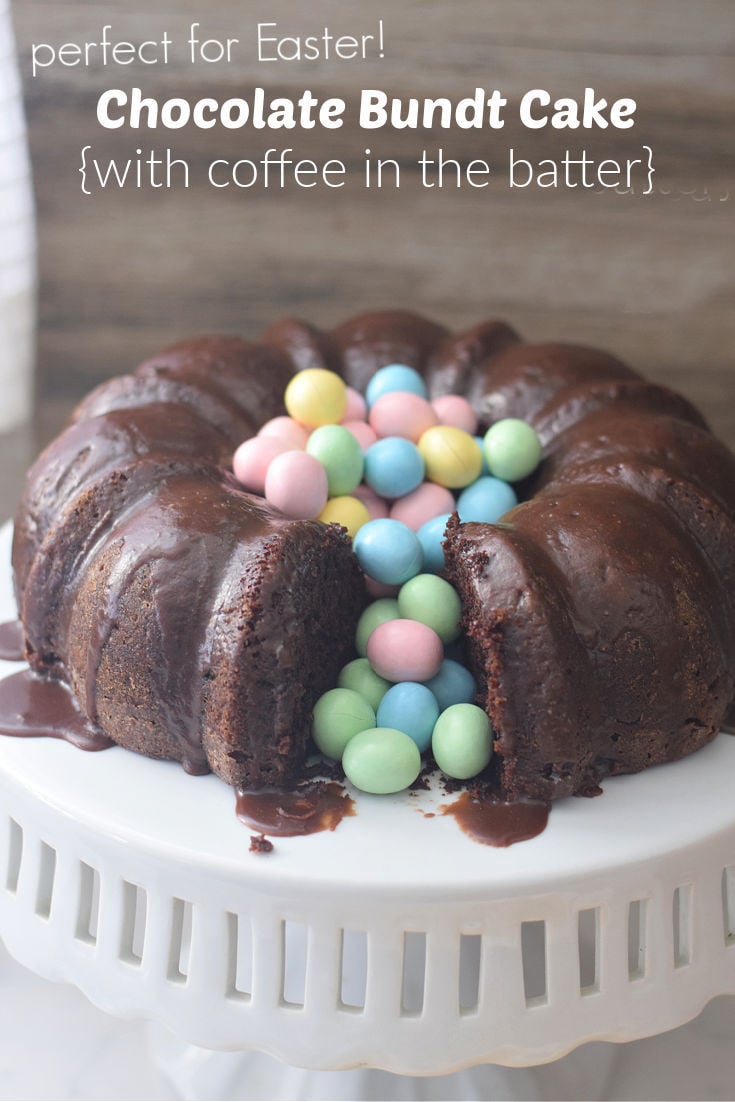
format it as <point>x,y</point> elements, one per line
<point>427,501</point>
<point>405,650</point>
<point>290,432</point>
<point>452,409</point>
<point>375,505</point>
<point>400,413</point>
<point>252,460</point>
<point>356,406</point>
<point>362,432</point>
<point>296,483</point>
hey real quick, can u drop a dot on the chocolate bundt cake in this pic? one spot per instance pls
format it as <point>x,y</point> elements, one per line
<point>193,622</point>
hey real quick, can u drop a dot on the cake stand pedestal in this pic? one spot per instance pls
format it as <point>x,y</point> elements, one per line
<point>393,943</point>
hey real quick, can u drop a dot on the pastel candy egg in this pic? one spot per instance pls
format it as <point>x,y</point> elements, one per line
<point>360,676</point>
<point>362,432</point>
<point>381,760</point>
<point>425,502</point>
<point>486,500</point>
<point>462,743</point>
<point>431,538</point>
<point>375,505</point>
<point>288,431</point>
<point>405,650</point>
<point>411,708</point>
<point>356,407</point>
<point>315,397</point>
<point>393,467</point>
<point>452,409</point>
<point>512,449</point>
<point>379,612</point>
<point>252,459</point>
<point>388,551</point>
<point>434,602</point>
<point>454,684</point>
<point>451,455</point>
<point>338,715</point>
<point>401,413</point>
<point>296,483</point>
<point>394,377</point>
<point>347,511</point>
<point>341,456</point>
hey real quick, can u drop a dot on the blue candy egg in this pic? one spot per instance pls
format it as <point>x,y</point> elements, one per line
<point>393,467</point>
<point>431,537</point>
<point>454,684</point>
<point>486,500</point>
<point>411,708</point>
<point>395,377</point>
<point>388,551</point>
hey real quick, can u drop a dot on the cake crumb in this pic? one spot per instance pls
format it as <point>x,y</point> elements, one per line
<point>260,844</point>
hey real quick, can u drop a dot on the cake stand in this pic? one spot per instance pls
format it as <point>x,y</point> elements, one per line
<point>394,942</point>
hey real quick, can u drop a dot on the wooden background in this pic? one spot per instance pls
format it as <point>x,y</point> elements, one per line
<point>651,278</point>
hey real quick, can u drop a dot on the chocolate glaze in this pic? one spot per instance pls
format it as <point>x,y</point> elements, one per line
<point>39,707</point>
<point>495,823</point>
<point>308,809</point>
<point>12,648</point>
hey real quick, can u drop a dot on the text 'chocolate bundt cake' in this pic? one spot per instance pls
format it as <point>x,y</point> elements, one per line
<point>194,622</point>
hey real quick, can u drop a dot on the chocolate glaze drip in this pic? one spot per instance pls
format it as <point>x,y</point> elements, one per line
<point>11,641</point>
<point>498,824</point>
<point>305,810</point>
<point>38,707</point>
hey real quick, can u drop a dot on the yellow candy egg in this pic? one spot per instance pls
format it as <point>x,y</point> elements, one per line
<point>347,511</point>
<point>453,458</point>
<point>316,397</point>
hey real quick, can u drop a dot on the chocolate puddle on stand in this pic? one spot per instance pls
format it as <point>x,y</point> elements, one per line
<point>11,641</point>
<point>38,707</point>
<point>319,805</point>
<point>497,824</point>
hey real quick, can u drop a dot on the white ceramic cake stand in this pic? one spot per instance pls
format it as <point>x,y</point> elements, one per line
<point>394,942</point>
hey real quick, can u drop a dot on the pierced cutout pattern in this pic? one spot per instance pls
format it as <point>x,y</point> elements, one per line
<point>295,948</point>
<point>132,933</point>
<point>728,904</point>
<point>682,919</point>
<point>637,918</point>
<point>588,943</point>
<point>353,969</point>
<point>239,958</point>
<point>180,948</point>
<point>470,964</point>
<point>15,856</point>
<point>45,886</point>
<point>88,910</point>
<point>533,951</point>
<point>414,973</point>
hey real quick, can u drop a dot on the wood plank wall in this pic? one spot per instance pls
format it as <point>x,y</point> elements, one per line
<point>651,278</point>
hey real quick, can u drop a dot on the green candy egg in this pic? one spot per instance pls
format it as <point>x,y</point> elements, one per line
<point>381,760</point>
<point>432,601</point>
<point>338,716</point>
<point>360,676</point>
<point>341,456</point>
<point>512,449</point>
<point>462,742</point>
<point>379,612</point>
